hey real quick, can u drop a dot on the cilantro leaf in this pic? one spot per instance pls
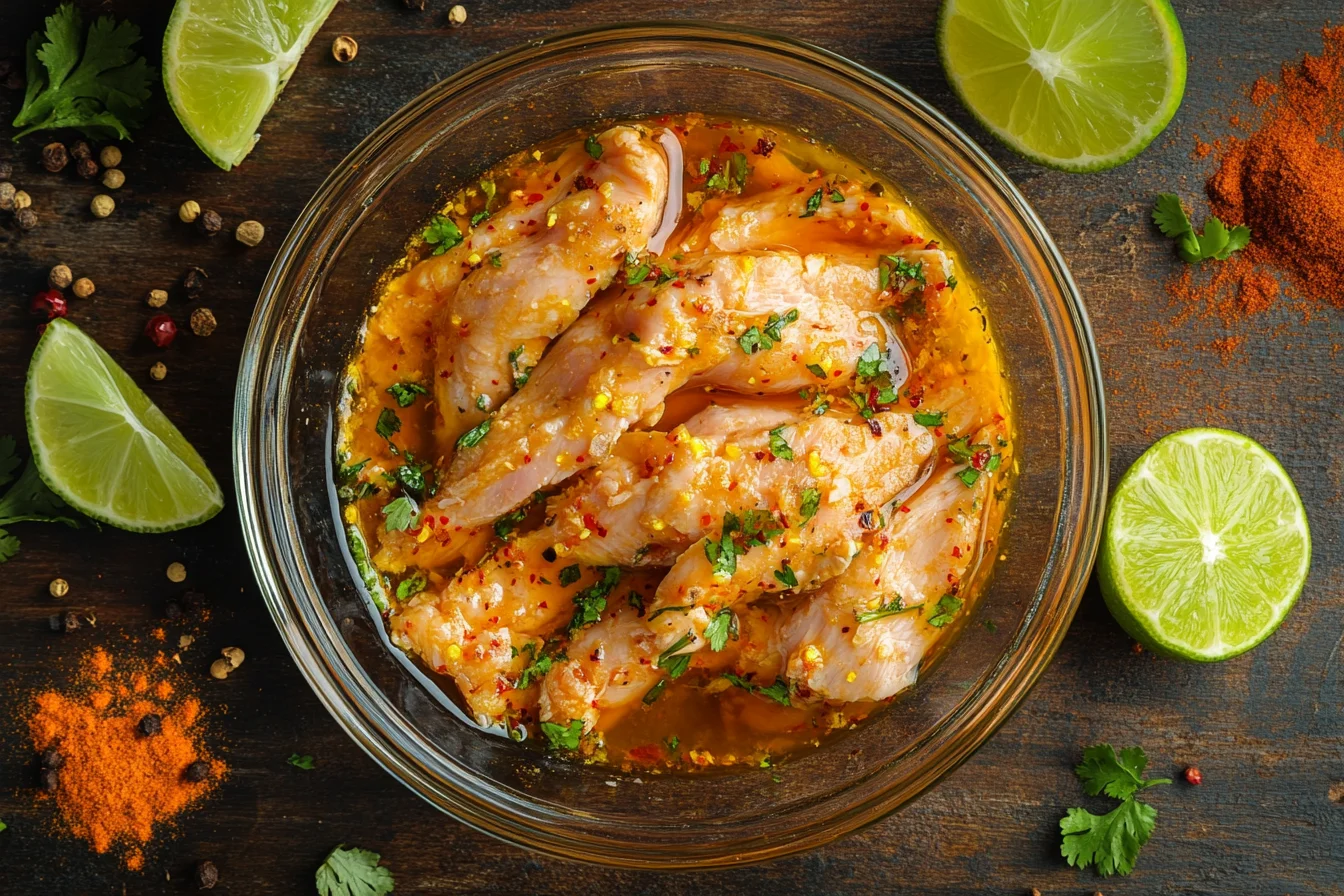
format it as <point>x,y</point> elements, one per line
<point>506,524</point>
<point>1170,217</point>
<point>1111,841</point>
<point>472,437</point>
<point>1102,771</point>
<point>409,587</point>
<point>720,628</point>
<point>813,203</point>
<point>779,446</point>
<point>930,418</point>
<point>944,611</point>
<point>786,576</point>
<point>778,692</point>
<point>30,501</point>
<point>890,608</point>
<point>563,737</point>
<point>537,664</point>
<point>653,693</point>
<point>1238,238</point>
<point>400,514</point>
<point>388,425</point>
<point>592,147</point>
<point>591,601</point>
<point>871,363</point>
<point>774,325</point>
<point>569,575</point>
<point>809,504</point>
<point>100,89</point>
<point>9,546</point>
<point>674,663</point>
<point>353,872</point>
<point>406,393</point>
<point>442,233</point>
<point>751,341</point>
<point>307,763</point>
<point>1213,240</point>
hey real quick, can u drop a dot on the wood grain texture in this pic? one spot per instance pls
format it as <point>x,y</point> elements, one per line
<point>1267,729</point>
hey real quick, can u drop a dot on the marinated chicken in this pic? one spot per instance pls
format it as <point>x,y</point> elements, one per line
<point>679,443</point>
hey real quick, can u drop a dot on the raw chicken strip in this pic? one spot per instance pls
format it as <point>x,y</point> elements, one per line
<point>556,248</point>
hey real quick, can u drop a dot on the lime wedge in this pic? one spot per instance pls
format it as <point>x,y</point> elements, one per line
<point>1080,85</point>
<point>102,445</point>
<point>225,62</point>
<point>1206,546</point>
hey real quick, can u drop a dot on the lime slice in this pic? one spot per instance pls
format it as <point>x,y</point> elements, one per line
<point>1206,546</point>
<point>1080,85</point>
<point>225,62</point>
<point>102,445</point>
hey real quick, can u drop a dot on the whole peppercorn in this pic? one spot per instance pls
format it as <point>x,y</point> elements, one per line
<point>158,370</point>
<point>193,281</point>
<point>203,322</point>
<point>64,622</point>
<point>49,304</point>
<point>176,572</point>
<point>344,49</point>
<point>6,170</point>
<point>50,779</point>
<point>457,15</point>
<point>51,758</point>
<point>7,193</point>
<point>110,157</point>
<point>86,168</point>
<point>55,157</point>
<point>82,288</point>
<point>220,669</point>
<point>156,298</point>
<point>60,276</point>
<point>206,875</point>
<point>249,233</point>
<point>58,588</point>
<point>234,656</point>
<point>197,772</point>
<point>80,150</point>
<point>22,200</point>
<point>150,724</point>
<point>189,211</point>
<point>26,218</point>
<point>161,330</point>
<point>1194,776</point>
<point>102,205</point>
<point>113,178</point>
<point>209,223</point>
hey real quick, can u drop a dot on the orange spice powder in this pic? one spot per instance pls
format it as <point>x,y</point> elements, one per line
<point>116,787</point>
<point>1285,181</point>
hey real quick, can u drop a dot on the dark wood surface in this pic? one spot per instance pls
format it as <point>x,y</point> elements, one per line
<point>1266,729</point>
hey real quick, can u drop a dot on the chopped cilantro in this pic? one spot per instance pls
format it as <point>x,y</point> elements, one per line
<point>563,737</point>
<point>786,576</point>
<point>636,602</point>
<point>750,341</point>
<point>569,575</point>
<point>837,196</point>
<point>779,447</point>
<point>723,554</point>
<point>399,514</point>
<point>774,325</point>
<point>412,478</point>
<point>520,374</point>
<point>411,586</point>
<point>969,477</point>
<point>496,259</point>
<point>637,275</point>
<point>871,363</point>
<point>592,147</point>
<point>813,203</point>
<point>721,627</point>
<point>353,872</point>
<point>890,608</point>
<point>674,663</point>
<point>811,501</point>
<point>653,693</point>
<point>388,425</point>
<point>406,393</point>
<point>817,370</point>
<point>307,763</point>
<point>778,692</point>
<point>442,233</point>
<point>538,664</point>
<point>591,601</point>
<point>472,437</point>
<point>930,418</point>
<point>506,524</point>
<point>944,611</point>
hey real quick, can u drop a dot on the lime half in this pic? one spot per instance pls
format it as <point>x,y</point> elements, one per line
<point>1206,546</point>
<point>225,62</point>
<point>1080,85</point>
<point>102,445</point>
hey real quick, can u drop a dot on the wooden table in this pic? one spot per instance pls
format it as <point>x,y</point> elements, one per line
<point>1266,729</point>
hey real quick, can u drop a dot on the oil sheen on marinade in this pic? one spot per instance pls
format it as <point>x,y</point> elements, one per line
<point>717,382</point>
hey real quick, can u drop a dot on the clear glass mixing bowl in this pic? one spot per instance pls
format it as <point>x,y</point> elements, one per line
<point>307,324</point>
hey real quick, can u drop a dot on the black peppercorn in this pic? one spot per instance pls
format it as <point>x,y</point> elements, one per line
<point>207,875</point>
<point>197,772</point>
<point>80,150</point>
<point>26,218</point>
<point>63,622</point>
<point>6,170</point>
<point>210,223</point>
<point>172,610</point>
<point>150,725</point>
<point>51,758</point>
<point>55,157</point>
<point>86,168</point>
<point>193,281</point>
<point>50,779</point>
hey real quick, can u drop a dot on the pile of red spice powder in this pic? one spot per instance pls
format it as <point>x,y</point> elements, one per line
<point>117,786</point>
<point>1285,181</point>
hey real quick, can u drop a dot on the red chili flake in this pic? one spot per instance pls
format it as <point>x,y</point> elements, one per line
<point>651,302</point>
<point>875,428</point>
<point>527,458</point>
<point>726,145</point>
<point>732,486</point>
<point>905,508</point>
<point>646,753</point>
<point>706,519</point>
<point>543,604</point>
<point>580,459</point>
<point>679,284</point>
<point>501,686</point>
<point>764,147</point>
<point>533,199</point>
<point>931,244</point>
<point>909,238</point>
<point>759,455</point>
<point>665,349</point>
<point>863,206</point>
<point>940,285</point>
<point>956,550</point>
<point>979,459</point>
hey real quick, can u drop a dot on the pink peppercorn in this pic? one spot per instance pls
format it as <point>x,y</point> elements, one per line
<point>48,303</point>
<point>1194,776</point>
<point>161,330</point>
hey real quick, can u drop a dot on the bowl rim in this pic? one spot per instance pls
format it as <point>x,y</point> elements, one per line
<point>1002,687</point>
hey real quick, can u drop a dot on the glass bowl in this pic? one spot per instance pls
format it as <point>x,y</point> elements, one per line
<point>309,320</point>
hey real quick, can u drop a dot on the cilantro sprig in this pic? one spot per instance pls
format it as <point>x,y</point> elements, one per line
<point>99,88</point>
<point>1112,841</point>
<point>353,872</point>
<point>1217,241</point>
<point>27,501</point>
